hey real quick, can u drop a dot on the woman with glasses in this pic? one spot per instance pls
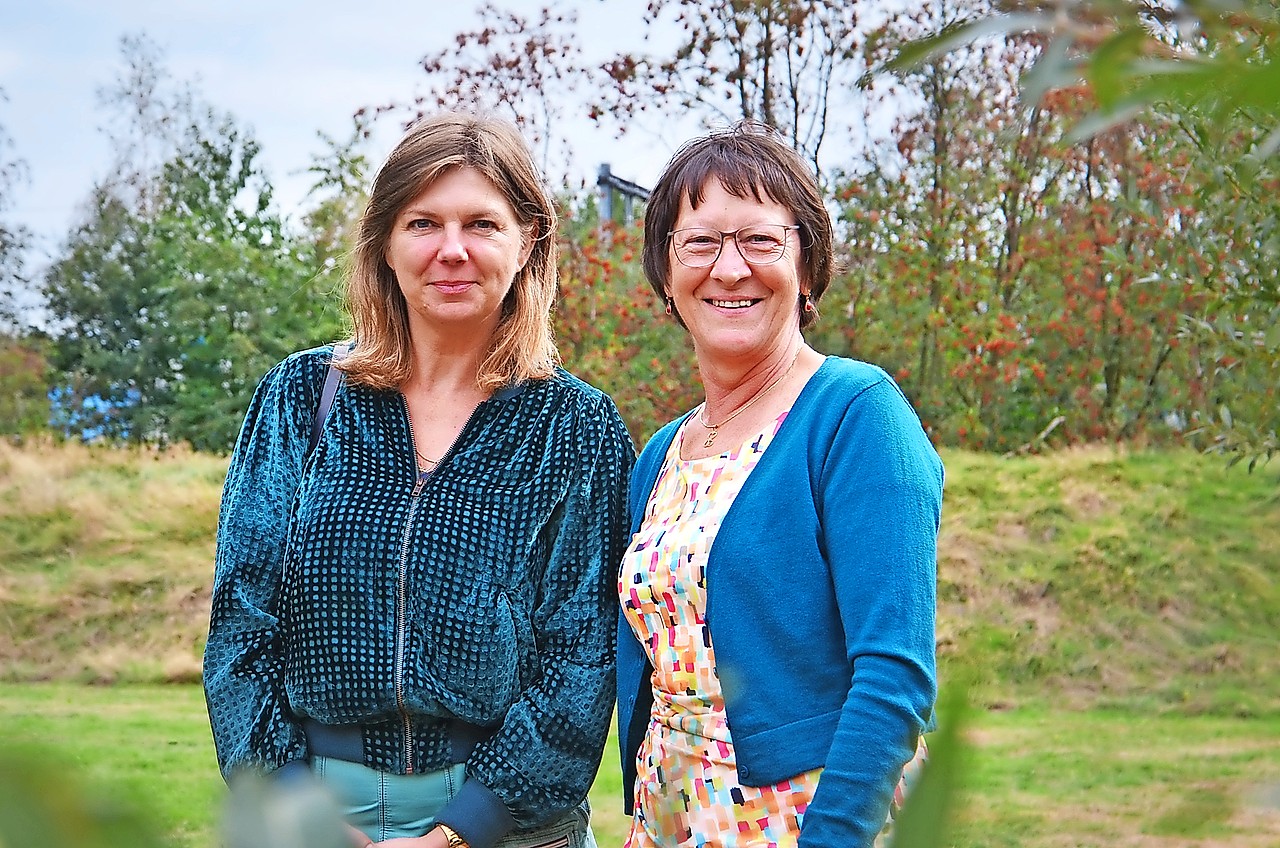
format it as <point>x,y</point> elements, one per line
<point>776,641</point>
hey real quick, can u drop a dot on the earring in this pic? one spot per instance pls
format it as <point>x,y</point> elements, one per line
<point>669,305</point>
<point>808,304</point>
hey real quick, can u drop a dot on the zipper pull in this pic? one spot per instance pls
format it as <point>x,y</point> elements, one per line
<point>422,482</point>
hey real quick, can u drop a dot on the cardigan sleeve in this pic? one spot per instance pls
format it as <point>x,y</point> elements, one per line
<point>879,499</point>
<point>243,682</point>
<point>635,692</point>
<point>545,754</point>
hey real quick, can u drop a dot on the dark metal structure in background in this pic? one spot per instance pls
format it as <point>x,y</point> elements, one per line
<point>618,197</point>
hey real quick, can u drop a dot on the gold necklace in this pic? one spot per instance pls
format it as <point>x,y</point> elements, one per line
<point>426,459</point>
<point>714,429</point>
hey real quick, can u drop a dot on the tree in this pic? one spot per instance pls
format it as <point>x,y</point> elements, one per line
<point>24,402</point>
<point>339,192</point>
<point>1015,282</point>
<point>775,61</point>
<point>246,292</point>
<point>1210,68</point>
<point>1028,258</point>
<point>528,69</point>
<point>24,407</point>
<point>14,238</point>
<point>610,327</point>
<point>182,285</point>
<point>781,62</point>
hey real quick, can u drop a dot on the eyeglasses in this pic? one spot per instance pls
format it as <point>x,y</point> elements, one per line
<point>758,244</point>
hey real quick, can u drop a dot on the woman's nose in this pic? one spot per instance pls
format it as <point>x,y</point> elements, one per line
<point>453,246</point>
<point>730,265</point>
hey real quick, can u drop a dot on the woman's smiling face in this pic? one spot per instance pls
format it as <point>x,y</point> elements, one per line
<point>735,310</point>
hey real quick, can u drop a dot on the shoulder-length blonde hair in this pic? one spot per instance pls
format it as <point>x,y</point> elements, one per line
<point>523,347</point>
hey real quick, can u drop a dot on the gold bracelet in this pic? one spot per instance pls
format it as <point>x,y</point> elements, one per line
<point>454,840</point>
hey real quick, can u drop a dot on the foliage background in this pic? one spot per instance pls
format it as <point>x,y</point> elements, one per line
<point>1066,236</point>
<point>1054,241</point>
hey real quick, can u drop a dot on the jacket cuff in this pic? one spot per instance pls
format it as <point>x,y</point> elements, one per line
<point>477,815</point>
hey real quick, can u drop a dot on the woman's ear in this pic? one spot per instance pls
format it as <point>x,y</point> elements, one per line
<point>526,249</point>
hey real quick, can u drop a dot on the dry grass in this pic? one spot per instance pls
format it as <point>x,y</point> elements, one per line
<point>1089,576</point>
<point>111,557</point>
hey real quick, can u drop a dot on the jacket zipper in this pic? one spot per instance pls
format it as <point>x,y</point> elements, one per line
<point>403,575</point>
<point>401,615</point>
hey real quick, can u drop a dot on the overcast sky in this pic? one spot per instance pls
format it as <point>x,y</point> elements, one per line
<point>285,68</point>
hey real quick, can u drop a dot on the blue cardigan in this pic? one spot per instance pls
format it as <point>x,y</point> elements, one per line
<point>820,602</point>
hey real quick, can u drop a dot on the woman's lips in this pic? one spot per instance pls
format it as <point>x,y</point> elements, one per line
<point>453,286</point>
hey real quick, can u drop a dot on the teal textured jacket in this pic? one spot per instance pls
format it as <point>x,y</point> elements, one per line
<point>821,594</point>
<point>465,615</point>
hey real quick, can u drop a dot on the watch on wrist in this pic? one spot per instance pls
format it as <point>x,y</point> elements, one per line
<point>452,837</point>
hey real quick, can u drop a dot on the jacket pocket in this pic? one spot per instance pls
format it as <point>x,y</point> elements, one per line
<point>469,648</point>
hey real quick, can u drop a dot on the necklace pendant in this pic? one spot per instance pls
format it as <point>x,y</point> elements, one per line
<point>711,437</point>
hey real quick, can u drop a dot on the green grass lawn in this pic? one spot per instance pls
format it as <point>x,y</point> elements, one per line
<point>1053,777</point>
<point>1031,777</point>
<point>149,746</point>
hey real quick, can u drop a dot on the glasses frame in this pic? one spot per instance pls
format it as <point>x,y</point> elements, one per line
<point>733,234</point>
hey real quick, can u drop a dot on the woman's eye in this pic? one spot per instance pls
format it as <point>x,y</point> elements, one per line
<point>484,225</point>
<point>421,224</point>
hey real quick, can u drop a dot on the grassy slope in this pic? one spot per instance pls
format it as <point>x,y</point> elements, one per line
<point>107,564</point>
<point>1090,577</point>
<point>1101,577</point>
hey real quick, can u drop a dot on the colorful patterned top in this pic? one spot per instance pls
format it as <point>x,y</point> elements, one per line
<point>687,791</point>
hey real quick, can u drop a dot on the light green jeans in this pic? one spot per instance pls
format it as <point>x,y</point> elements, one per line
<point>384,805</point>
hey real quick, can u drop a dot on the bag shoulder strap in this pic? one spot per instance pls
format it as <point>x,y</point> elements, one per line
<point>327,393</point>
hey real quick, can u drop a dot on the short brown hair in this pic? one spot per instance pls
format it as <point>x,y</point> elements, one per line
<point>748,159</point>
<point>523,347</point>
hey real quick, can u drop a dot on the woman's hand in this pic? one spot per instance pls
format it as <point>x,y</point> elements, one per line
<point>433,839</point>
<point>358,839</point>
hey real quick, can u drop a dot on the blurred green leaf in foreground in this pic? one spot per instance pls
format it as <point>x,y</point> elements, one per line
<point>42,804</point>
